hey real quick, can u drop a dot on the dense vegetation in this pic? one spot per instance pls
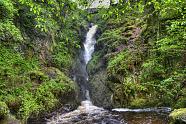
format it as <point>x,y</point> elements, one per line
<point>38,41</point>
<point>141,46</point>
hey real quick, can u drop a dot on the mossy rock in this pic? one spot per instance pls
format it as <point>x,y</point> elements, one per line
<point>3,110</point>
<point>13,102</point>
<point>70,87</point>
<point>38,76</point>
<point>59,76</point>
<point>138,103</point>
<point>96,63</point>
<point>178,116</point>
<point>99,90</point>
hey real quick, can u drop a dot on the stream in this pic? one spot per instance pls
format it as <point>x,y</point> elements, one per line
<point>87,113</point>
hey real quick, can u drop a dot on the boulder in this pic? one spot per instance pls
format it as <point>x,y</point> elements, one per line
<point>178,116</point>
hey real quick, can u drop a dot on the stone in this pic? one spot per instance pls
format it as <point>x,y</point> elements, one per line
<point>178,116</point>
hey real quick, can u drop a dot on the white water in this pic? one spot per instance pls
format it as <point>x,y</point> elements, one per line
<point>158,109</point>
<point>86,106</point>
<point>87,113</point>
<point>89,43</point>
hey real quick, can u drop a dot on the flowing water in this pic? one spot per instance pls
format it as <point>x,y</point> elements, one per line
<point>87,113</point>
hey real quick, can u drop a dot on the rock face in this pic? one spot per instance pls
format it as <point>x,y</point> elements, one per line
<point>178,116</point>
<point>99,90</point>
<point>99,86</point>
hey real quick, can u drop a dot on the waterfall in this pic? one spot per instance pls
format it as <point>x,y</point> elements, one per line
<point>89,43</point>
<point>88,50</point>
<point>88,113</point>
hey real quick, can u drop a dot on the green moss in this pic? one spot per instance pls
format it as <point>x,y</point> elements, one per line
<point>3,110</point>
<point>177,113</point>
<point>58,76</point>
<point>37,76</point>
<point>28,89</point>
<point>95,63</point>
<point>7,9</point>
<point>138,103</point>
<point>9,32</point>
<point>181,103</point>
<point>177,116</point>
<point>13,102</point>
<point>62,57</point>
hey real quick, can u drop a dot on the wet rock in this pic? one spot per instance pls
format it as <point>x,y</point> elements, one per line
<point>10,120</point>
<point>99,90</point>
<point>87,113</point>
<point>178,116</point>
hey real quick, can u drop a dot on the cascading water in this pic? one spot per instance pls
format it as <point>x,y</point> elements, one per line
<point>87,113</point>
<point>89,43</point>
<point>88,50</point>
<point>80,72</point>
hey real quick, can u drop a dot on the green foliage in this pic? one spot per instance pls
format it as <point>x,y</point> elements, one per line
<point>124,62</point>
<point>119,64</point>
<point>12,63</point>
<point>95,64</point>
<point>112,39</point>
<point>153,59</point>
<point>62,56</point>
<point>139,102</point>
<point>9,32</point>
<point>28,104</point>
<point>177,115</point>
<point>27,90</point>
<point>7,10</point>
<point>26,85</point>
<point>4,111</point>
<point>51,14</point>
<point>152,69</point>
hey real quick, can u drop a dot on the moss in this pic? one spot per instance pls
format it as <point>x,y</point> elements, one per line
<point>37,76</point>
<point>13,102</point>
<point>40,92</point>
<point>177,113</point>
<point>128,34</point>
<point>138,103</point>
<point>57,75</point>
<point>95,63</point>
<point>3,110</point>
<point>130,27</point>
<point>181,103</point>
<point>178,116</point>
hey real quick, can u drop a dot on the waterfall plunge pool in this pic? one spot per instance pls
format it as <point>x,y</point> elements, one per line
<point>87,113</point>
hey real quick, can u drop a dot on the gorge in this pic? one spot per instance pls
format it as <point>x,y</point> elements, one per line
<point>87,113</point>
<point>116,62</point>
